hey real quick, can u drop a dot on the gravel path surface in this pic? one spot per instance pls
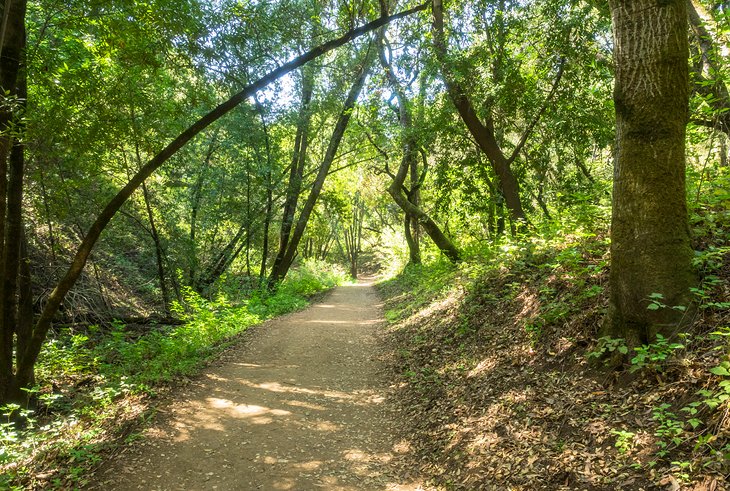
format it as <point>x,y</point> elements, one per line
<point>298,406</point>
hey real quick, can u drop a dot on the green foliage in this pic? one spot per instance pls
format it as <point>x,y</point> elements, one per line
<point>118,362</point>
<point>421,285</point>
<point>606,346</point>
<point>669,429</point>
<point>654,355</point>
<point>624,440</point>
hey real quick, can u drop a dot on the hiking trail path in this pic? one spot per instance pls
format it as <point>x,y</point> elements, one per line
<point>298,404</point>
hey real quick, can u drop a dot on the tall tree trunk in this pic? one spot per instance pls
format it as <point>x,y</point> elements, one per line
<point>296,171</point>
<point>27,360</point>
<point>269,193</point>
<point>650,236</point>
<point>280,272</point>
<point>159,251</point>
<point>12,168</point>
<point>482,133</point>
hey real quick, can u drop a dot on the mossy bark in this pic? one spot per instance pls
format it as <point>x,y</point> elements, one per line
<point>650,248</point>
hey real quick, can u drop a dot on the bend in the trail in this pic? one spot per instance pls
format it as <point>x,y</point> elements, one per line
<point>298,406</point>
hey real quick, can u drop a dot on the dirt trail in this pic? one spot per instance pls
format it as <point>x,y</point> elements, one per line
<point>298,406</point>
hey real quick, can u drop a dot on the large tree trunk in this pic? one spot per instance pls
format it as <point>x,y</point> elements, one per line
<point>650,237</point>
<point>12,170</point>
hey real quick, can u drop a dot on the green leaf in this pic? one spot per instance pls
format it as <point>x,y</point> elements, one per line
<point>653,306</point>
<point>720,370</point>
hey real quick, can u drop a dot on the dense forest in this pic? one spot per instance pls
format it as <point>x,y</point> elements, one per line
<point>542,187</point>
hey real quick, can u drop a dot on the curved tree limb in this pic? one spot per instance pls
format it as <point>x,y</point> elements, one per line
<point>40,330</point>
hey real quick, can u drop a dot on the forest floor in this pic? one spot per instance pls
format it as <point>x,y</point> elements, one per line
<point>298,405</point>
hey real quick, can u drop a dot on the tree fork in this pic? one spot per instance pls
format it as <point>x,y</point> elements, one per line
<point>332,148</point>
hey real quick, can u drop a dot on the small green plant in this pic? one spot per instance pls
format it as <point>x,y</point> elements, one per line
<point>714,398</point>
<point>656,303</point>
<point>607,345</point>
<point>624,440</point>
<point>654,355</point>
<point>669,430</point>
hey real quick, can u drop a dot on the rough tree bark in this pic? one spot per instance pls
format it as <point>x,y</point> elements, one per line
<point>650,236</point>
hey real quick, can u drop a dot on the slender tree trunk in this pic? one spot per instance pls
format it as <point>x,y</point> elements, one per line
<point>195,208</point>
<point>483,134</point>
<point>224,259</point>
<point>296,171</point>
<point>159,251</point>
<point>49,219</point>
<point>269,193</point>
<point>25,297</point>
<point>650,236</point>
<point>396,189</point>
<point>709,80</point>
<point>431,228</point>
<point>280,272</point>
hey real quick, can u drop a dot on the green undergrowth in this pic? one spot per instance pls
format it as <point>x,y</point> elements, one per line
<point>499,380</point>
<point>94,384</point>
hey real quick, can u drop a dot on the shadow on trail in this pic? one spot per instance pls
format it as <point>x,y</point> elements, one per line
<point>299,407</point>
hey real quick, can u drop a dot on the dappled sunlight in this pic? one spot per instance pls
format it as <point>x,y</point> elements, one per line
<point>300,408</point>
<point>327,426</point>
<point>279,388</point>
<point>484,366</point>
<point>366,322</point>
<point>305,405</point>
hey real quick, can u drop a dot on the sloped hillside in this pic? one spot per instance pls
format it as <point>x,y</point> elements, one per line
<point>502,387</point>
